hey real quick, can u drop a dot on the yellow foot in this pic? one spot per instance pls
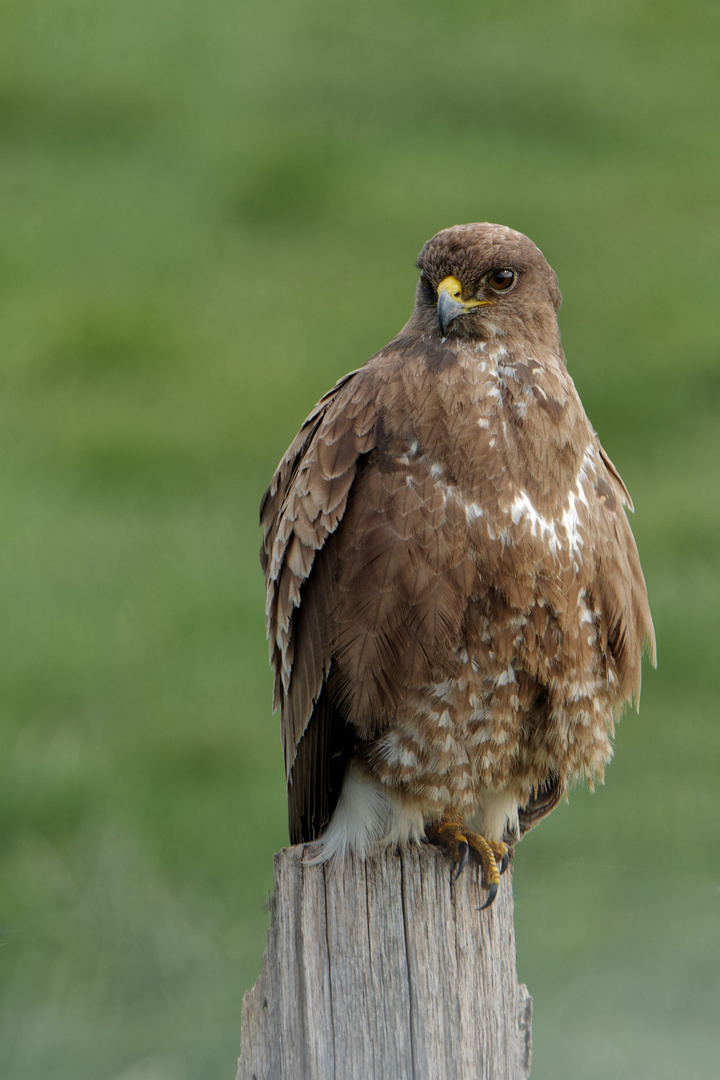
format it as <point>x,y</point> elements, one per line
<point>457,842</point>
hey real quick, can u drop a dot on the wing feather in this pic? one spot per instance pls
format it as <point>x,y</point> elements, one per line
<point>301,509</point>
<point>618,588</point>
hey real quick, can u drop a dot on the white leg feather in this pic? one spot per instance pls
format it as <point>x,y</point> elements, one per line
<point>367,814</point>
<point>496,812</point>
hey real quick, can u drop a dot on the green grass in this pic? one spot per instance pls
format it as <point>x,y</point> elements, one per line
<point>210,212</point>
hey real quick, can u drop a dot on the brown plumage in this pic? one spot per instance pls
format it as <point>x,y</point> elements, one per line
<point>455,604</point>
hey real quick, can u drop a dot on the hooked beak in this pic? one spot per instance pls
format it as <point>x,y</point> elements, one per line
<point>448,309</point>
<point>451,304</point>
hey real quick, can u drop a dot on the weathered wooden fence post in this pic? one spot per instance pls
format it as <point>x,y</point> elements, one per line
<point>386,972</point>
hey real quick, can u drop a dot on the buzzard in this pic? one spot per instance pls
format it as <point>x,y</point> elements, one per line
<point>455,604</point>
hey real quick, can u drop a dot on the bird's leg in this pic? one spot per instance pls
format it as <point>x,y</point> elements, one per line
<point>455,840</point>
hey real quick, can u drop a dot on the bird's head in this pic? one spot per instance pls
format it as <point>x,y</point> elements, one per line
<point>478,281</point>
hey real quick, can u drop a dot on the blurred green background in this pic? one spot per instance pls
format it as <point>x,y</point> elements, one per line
<point>209,212</point>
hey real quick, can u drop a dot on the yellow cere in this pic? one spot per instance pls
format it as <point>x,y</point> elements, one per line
<point>451,285</point>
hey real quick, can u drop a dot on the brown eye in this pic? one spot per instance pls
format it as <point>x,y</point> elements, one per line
<point>501,280</point>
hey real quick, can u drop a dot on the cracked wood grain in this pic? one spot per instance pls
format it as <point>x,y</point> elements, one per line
<point>385,972</point>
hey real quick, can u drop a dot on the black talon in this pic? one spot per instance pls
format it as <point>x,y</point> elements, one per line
<point>492,893</point>
<point>505,863</point>
<point>463,852</point>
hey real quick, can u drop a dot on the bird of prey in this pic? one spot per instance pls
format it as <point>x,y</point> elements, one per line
<point>455,605</point>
